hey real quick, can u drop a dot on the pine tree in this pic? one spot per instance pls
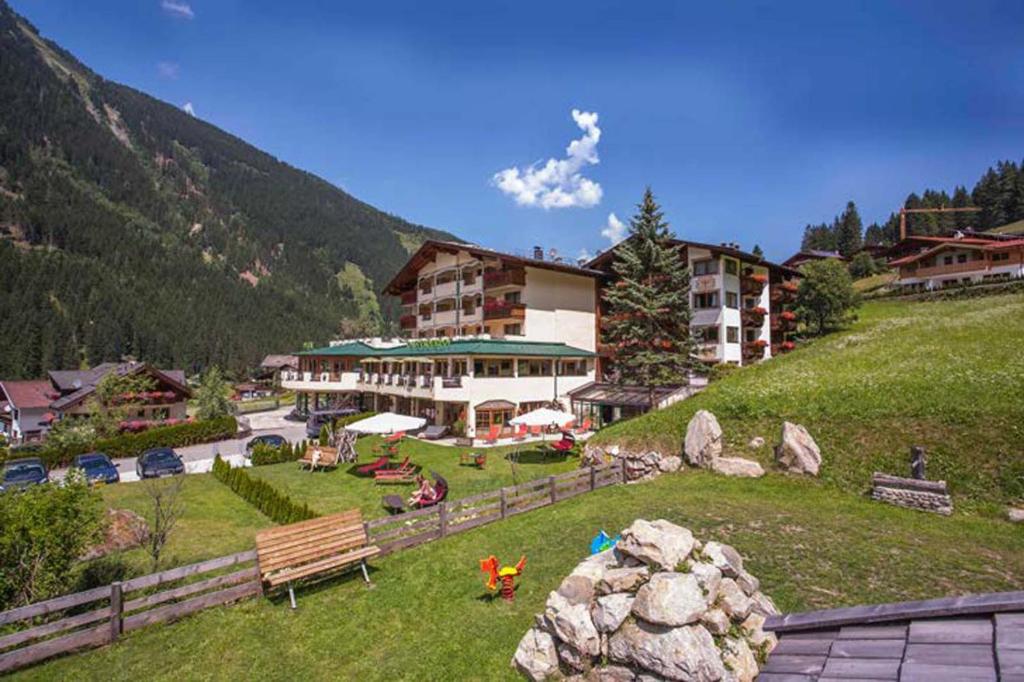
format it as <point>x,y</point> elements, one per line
<point>649,306</point>
<point>849,231</point>
<point>757,251</point>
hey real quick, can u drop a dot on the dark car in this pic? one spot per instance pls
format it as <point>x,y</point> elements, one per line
<point>22,473</point>
<point>96,467</point>
<point>320,417</point>
<point>271,439</point>
<point>159,462</point>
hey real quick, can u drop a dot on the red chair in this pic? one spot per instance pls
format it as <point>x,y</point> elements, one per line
<point>567,443</point>
<point>537,430</point>
<point>368,469</point>
<point>585,426</point>
<point>492,436</point>
<point>521,432</point>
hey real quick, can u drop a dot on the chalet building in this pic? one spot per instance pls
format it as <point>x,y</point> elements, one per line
<point>29,408</point>
<point>740,303</point>
<point>930,263</point>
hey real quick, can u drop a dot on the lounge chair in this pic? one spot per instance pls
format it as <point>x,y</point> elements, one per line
<point>404,473</point>
<point>373,466</point>
<point>435,432</point>
<point>537,431</point>
<point>492,437</point>
<point>396,505</point>
<point>477,459</point>
<point>521,432</point>
<point>584,427</point>
<point>567,443</point>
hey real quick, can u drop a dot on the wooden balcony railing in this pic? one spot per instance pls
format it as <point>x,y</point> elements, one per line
<point>501,310</point>
<point>409,297</point>
<point>501,278</point>
<point>407,321</point>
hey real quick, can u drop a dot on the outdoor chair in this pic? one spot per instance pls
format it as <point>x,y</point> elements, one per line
<point>327,458</point>
<point>477,459</point>
<point>396,505</point>
<point>373,466</point>
<point>567,443</point>
<point>404,473</point>
<point>492,437</point>
<point>435,432</point>
<point>585,426</point>
<point>521,432</point>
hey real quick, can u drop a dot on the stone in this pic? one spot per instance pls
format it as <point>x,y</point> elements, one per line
<point>611,673</point>
<point>703,441</point>
<point>1015,514</point>
<point>708,577</point>
<point>716,622</point>
<point>682,653</point>
<point>577,589</point>
<point>737,466</point>
<point>626,579</point>
<point>798,453</point>
<point>739,659</point>
<point>753,628</point>
<point>571,623</point>
<point>724,558</point>
<point>670,464</point>
<point>670,599</point>
<point>609,611</point>
<point>536,657</point>
<point>733,601</point>
<point>594,566</point>
<point>572,658</point>
<point>748,583</point>
<point>763,604</point>
<point>756,443</point>
<point>659,544</point>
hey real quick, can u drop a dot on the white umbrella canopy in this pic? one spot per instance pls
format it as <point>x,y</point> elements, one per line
<point>543,416</point>
<point>387,422</point>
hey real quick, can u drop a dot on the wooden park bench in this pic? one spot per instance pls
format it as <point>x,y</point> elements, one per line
<point>328,457</point>
<point>311,548</point>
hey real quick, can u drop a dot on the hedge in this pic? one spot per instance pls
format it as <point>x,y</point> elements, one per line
<point>134,444</point>
<point>342,422</point>
<point>277,506</point>
<point>264,454</point>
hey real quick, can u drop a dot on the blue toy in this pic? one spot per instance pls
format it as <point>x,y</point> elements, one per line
<point>603,541</point>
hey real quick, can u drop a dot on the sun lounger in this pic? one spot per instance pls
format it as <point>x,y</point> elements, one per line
<point>435,432</point>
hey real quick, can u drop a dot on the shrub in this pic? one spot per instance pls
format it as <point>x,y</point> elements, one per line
<point>325,435</point>
<point>133,444</point>
<point>352,419</point>
<point>264,454</point>
<point>277,506</point>
<point>721,370</point>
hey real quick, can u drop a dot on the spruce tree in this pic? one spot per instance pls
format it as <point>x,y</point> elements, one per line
<point>757,251</point>
<point>648,320</point>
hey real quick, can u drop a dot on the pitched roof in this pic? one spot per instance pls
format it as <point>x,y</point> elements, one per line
<point>82,383</point>
<point>425,254</point>
<point>604,257</point>
<point>278,361</point>
<point>445,347</point>
<point>615,394</point>
<point>957,638</point>
<point>28,395</point>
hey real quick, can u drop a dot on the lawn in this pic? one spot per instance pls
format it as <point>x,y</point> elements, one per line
<point>947,375</point>
<point>333,491</point>
<point>426,618</point>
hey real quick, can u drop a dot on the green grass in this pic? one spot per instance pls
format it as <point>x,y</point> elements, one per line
<point>866,285</point>
<point>812,547</point>
<point>947,375</point>
<point>332,491</point>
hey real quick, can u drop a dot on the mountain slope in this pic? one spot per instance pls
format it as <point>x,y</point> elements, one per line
<point>129,227</point>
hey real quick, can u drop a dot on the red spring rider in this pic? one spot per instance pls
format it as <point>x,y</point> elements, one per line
<point>506,574</point>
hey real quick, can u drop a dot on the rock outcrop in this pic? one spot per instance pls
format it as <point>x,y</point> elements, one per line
<point>703,442</point>
<point>737,466</point>
<point>660,605</point>
<point>640,464</point>
<point>798,453</point>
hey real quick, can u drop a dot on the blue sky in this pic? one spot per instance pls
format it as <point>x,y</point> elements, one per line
<point>749,120</point>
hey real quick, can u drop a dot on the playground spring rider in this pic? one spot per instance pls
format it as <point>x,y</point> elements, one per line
<point>506,574</point>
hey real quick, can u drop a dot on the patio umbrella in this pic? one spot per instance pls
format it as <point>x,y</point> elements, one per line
<point>386,423</point>
<point>543,416</point>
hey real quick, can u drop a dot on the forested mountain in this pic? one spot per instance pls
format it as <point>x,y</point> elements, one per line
<point>129,227</point>
<point>999,193</point>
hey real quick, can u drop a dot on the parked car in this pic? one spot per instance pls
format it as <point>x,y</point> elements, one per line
<point>96,467</point>
<point>320,417</point>
<point>159,462</point>
<point>22,473</point>
<point>271,439</point>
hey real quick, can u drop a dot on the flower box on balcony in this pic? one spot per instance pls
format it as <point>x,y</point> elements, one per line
<point>788,316</point>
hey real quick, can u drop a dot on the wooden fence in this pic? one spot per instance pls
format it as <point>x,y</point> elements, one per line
<point>99,616</point>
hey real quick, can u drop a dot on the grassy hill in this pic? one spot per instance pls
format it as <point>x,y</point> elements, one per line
<point>947,375</point>
<point>124,220</point>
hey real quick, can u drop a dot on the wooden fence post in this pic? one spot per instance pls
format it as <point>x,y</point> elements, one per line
<point>442,510</point>
<point>116,611</point>
<point>504,504</point>
<point>554,491</point>
<point>593,478</point>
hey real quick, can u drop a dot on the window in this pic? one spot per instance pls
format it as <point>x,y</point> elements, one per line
<point>705,267</point>
<point>948,260</point>
<point>487,418</point>
<point>513,297</point>
<point>706,300</point>
<point>492,368</point>
<point>732,334</point>
<point>1000,256</point>
<point>961,258</point>
<point>534,368</point>
<point>513,330</point>
<point>707,334</point>
<point>751,334</point>
<point>732,300</point>
<point>731,267</point>
<point>572,368</point>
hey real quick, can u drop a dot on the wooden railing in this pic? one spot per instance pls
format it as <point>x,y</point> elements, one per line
<point>117,613</point>
<point>58,626</point>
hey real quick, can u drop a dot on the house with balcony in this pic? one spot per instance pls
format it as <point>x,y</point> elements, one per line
<point>469,384</point>
<point>928,263</point>
<point>741,303</point>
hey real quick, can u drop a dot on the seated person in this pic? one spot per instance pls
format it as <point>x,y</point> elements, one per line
<point>423,495</point>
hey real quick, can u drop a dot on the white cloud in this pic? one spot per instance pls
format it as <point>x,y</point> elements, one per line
<point>168,70</point>
<point>584,256</point>
<point>182,10</point>
<point>615,230</point>
<point>189,109</point>
<point>559,183</point>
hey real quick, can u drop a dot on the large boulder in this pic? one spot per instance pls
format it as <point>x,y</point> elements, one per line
<point>659,544</point>
<point>571,623</point>
<point>670,599</point>
<point>725,558</point>
<point>611,610</point>
<point>739,659</point>
<point>737,466</point>
<point>703,442</point>
<point>798,453</point>
<point>536,657</point>
<point>683,653</point>
<point>624,579</point>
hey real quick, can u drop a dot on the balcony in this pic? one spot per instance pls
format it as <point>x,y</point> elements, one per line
<point>754,350</point>
<point>753,317</point>
<point>979,266</point>
<point>753,285</point>
<point>784,321</point>
<point>409,297</point>
<point>502,310</point>
<point>407,321</point>
<point>503,278</point>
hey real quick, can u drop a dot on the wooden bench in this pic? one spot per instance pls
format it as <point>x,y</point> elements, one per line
<point>314,547</point>
<point>328,457</point>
